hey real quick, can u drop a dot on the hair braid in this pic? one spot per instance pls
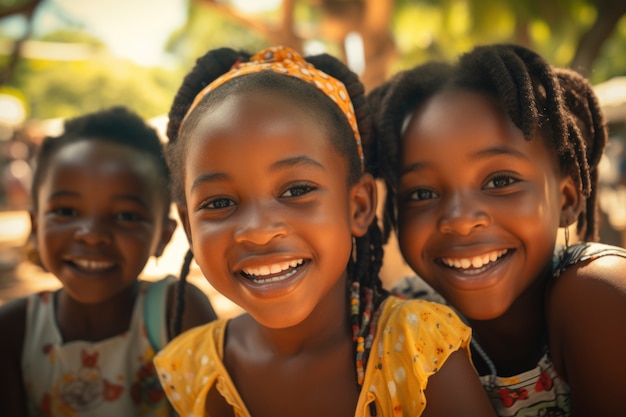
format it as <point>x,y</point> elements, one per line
<point>584,108</point>
<point>179,309</point>
<point>367,291</point>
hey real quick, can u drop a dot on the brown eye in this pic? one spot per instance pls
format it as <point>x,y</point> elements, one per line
<point>422,194</point>
<point>298,190</point>
<point>500,181</point>
<point>219,203</point>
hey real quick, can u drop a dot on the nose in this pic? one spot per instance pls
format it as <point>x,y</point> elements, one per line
<point>93,231</point>
<point>462,215</point>
<point>259,223</point>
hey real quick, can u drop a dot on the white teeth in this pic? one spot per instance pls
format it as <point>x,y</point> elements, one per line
<point>275,279</point>
<point>475,262</point>
<point>272,269</point>
<point>93,265</point>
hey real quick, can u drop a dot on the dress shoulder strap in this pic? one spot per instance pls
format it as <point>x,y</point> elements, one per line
<point>582,251</point>
<point>155,303</point>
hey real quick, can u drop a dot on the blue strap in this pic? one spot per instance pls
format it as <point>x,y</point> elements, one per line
<point>154,311</point>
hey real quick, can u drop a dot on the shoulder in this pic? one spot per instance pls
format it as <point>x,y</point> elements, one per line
<point>425,330</point>
<point>13,323</point>
<point>197,341</point>
<point>190,364</point>
<point>416,341</point>
<point>423,315</point>
<point>12,327</point>
<point>590,271</point>
<point>586,308</point>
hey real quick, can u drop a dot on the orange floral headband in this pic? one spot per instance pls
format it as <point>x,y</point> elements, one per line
<point>284,60</point>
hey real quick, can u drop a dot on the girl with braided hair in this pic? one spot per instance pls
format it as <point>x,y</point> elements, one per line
<point>484,160</point>
<point>267,155</point>
<point>101,208</point>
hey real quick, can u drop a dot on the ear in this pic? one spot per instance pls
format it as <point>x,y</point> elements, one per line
<point>31,244</point>
<point>183,213</point>
<point>571,201</point>
<point>363,200</point>
<point>33,227</point>
<point>169,226</point>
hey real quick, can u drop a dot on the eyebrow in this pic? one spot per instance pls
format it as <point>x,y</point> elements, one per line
<point>127,197</point>
<point>295,161</point>
<point>483,154</point>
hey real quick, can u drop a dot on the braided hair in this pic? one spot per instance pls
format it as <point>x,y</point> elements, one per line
<point>587,117</point>
<point>366,287</point>
<point>559,104</point>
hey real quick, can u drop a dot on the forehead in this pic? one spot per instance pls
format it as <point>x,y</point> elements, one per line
<point>468,122</point>
<point>258,113</point>
<point>105,159</point>
<point>468,116</point>
<point>245,128</point>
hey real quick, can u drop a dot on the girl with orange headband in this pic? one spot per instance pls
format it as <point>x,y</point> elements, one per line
<point>267,157</point>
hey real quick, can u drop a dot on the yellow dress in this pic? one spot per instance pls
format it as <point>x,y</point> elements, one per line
<point>413,340</point>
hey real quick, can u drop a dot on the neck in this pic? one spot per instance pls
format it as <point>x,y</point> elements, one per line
<point>95,322</point>
<point>516,340</point>
<point>326,327</point>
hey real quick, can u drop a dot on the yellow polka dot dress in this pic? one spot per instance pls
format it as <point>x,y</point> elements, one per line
<point>413,340</point>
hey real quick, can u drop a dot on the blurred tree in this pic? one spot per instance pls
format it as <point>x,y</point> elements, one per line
<point>334,22</point>
<point>16,7</point>
<point>65,86</point>
<point>393,34</point>
<point>400,33</point>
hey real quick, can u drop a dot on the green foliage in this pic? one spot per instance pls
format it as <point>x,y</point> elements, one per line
<point>69,88</point>
<point>442,29</point>
<point>207,29</point>
<point>423,30</point>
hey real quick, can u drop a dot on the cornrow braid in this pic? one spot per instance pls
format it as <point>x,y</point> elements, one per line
<point>366,260</point>
<point>536,96</point>
<point>586,116</point>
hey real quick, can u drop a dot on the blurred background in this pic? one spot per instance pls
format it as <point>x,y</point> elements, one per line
<point>62,58</point>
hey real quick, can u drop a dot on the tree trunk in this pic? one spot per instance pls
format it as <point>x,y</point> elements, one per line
<point>609,13</point>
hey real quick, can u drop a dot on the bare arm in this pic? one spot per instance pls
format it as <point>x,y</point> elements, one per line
<point>587,324</point>
<point>12,327</point>
<point>455,390</point>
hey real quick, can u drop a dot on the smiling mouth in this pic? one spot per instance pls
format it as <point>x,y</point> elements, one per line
<point>91,266</point>
<point>475,264</point>
<point>273,272</point>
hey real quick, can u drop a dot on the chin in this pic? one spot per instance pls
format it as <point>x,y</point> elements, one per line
<point>483,313</point>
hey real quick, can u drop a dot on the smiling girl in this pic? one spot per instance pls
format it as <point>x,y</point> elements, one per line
<point>267,153</point>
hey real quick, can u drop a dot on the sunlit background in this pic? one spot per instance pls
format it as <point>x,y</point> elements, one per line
<point>61,58</point>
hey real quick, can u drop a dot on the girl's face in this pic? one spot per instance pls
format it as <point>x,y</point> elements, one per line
<point>479,206</point>
<point>269,213</point>
<point>101,215</point>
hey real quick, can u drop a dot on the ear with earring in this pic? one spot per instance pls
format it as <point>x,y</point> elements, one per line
<point>566,232</point>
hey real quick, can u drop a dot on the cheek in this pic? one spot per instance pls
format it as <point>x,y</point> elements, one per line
<point>411,236</point>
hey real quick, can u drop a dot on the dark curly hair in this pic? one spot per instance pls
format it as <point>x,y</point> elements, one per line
<point>117,125</point>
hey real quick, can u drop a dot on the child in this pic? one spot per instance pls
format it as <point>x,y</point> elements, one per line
<point>484,161</point>
<point>100,209</point>
<point>267,159</point>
